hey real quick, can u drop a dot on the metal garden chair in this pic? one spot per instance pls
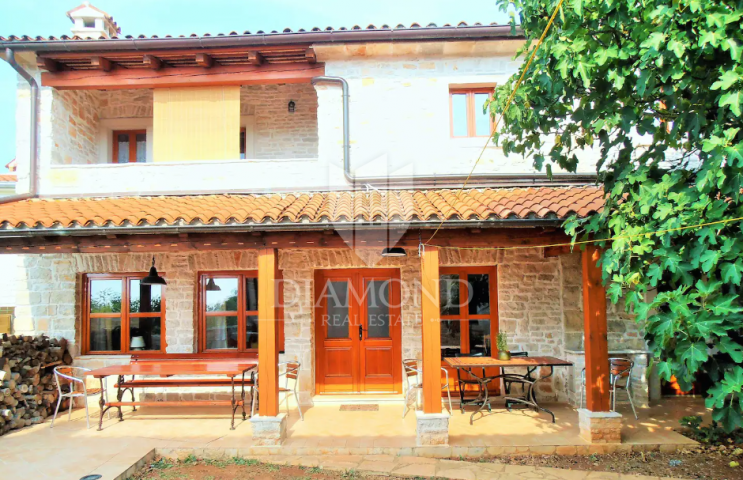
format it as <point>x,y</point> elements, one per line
<point>410,370</point>
<point>290,372</point>
<point>72,377</point>
<point>620,378</point>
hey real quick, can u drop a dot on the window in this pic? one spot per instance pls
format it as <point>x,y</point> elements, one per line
<point>467,116</point>
<point>228,312</point>
<point>129,146</point>
<point>469,310</point>
<point>121,315</point>
<point>89,22</point>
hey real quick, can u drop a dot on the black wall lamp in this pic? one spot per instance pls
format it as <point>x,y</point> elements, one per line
<point>292,106</point>
<point>153,278</point>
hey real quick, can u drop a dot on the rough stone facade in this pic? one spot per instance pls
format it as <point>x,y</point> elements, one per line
<point>279,134</point>
<point>533,299</point>
<point>125,103</point>
<point>74,120</point>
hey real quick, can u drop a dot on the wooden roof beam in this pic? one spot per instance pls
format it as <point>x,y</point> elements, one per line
<point>100,63</point>
<point>48,64</point>
<point>310,56</point>
<point>255,58</point>
<point>152,62</point>
<point>204,60</point>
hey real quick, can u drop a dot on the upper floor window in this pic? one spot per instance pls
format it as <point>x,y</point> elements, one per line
<point>469,116</point>
<point>120,315</point>
<point>129,146</point>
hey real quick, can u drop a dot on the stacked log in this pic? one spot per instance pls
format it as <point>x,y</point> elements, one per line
<point>28,391</point>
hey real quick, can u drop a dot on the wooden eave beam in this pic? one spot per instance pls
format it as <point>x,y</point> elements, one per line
<point>255,58</point>
<point>204,60</point>
<point>239,241</point>
<point>183,77</point>
<point>153,62</point>
<point>100,63</point>
<point>48,64</point>
<point>310,56</point>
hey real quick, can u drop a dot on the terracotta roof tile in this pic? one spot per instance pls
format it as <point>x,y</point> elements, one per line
<point>375,206</point>
<point>285,31</point>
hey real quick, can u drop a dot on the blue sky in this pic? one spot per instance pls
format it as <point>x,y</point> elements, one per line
<point>176,17</point>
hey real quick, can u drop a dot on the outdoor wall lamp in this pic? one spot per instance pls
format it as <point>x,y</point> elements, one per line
<point>153,278</point>
<point>394,252</point>
<point>292,106</point>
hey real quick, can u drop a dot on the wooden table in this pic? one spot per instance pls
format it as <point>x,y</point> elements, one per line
<point>165,368</point>
<point>533,363</point>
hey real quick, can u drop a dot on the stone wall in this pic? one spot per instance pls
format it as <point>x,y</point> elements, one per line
<point>279,134</point>
<point>536,298</point>
<point>74,125</point>
<point>125,103</point>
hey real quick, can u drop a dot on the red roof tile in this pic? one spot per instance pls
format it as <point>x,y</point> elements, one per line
<point>285,31</point>
<point>374,206</point>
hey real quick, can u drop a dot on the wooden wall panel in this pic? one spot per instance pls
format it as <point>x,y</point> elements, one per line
<point>196,124</point>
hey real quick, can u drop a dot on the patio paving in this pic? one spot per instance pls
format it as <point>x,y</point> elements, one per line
<point>71,451</point>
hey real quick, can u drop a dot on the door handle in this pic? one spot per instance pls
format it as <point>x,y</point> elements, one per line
<point>361,330</point>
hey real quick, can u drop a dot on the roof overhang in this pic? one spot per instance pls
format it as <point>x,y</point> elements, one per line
<point>262,39</point>
<point>469,234</point>
<point>172,68</point>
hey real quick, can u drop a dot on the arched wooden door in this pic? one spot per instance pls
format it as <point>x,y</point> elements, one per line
<point>358,331</point>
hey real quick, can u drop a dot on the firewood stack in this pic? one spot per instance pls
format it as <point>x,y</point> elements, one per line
<point>28,392</point>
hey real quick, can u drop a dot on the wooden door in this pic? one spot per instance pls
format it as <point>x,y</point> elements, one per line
<point>358,331</point>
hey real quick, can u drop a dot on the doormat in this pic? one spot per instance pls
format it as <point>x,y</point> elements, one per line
<point>364,407</point>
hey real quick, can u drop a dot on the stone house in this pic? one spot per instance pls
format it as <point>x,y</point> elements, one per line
<point>332,157</point>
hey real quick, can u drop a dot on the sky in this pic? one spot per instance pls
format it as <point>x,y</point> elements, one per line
<point>183,17</point>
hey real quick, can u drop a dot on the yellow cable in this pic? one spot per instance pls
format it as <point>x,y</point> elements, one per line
<point>619,237</point>
<point>505,109</point>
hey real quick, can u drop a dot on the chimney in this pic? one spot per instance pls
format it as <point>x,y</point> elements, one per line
<point>91,22</point>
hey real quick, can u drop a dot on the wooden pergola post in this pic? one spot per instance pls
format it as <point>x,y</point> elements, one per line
<point>596,343</point>
<point>431,328</point>
<point>268,333</point>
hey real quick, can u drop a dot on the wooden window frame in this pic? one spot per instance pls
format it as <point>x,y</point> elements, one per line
<point>464,315</point>
<point>125,314</point>
<point>471,117</point>
<point>132,144</point>
<point>242,312</point>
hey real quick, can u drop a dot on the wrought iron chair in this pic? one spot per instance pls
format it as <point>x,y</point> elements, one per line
<point>519,379</point>
<point>290,372</point>
<point>411,369</point>
<point>620,378</point>
<point>72,376</point>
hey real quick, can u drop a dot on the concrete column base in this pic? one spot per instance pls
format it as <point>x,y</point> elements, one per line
<point>269,430</point>
<point>600,427</point>
<point>431,429</point>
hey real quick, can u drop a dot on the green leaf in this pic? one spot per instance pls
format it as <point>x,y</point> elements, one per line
<point>693,354</point>
<point>727,80</point>
<point>731,272</point>
<point>734,99</point>
<point>730,347</point>
<point>709,260</point>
